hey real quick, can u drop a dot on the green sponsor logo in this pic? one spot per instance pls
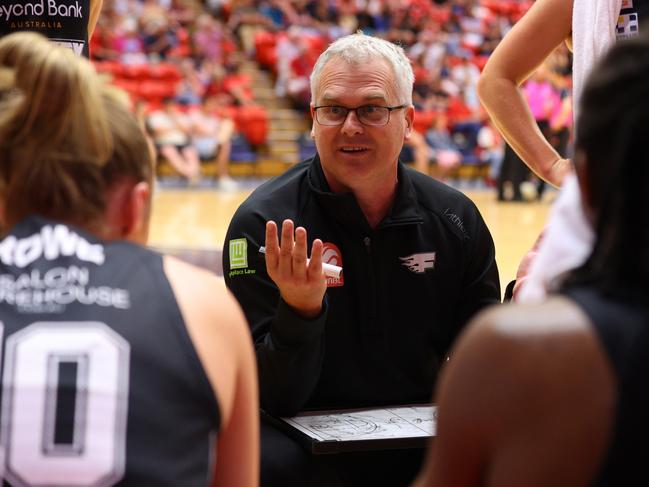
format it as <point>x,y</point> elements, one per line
<point>238,253</point>
<point>241,272</point>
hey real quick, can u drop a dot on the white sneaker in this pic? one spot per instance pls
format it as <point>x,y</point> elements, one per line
<point>227,184</point>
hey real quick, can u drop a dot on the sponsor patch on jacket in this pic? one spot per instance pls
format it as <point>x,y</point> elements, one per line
<point>419,263</point>
<point>331,255</point>
<point>238,253</point>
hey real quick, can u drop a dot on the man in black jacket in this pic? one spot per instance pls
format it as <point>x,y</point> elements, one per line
<point>418,262</point>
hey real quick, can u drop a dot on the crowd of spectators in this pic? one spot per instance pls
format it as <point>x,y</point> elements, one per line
<point>178,59</point>
<point>448,43</point>
<point>189,51</point>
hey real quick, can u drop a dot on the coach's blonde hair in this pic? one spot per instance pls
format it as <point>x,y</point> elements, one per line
<point>65,137</point>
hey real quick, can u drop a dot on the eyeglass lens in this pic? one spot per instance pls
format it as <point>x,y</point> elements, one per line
<point>367,114</point>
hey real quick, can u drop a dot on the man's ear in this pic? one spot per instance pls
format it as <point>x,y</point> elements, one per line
<point>311,105</point>
<point>410,119</point>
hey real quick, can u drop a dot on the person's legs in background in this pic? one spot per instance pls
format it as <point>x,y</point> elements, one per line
<point>226,130</point>
<point>420,150</point>
<point>184,160</point>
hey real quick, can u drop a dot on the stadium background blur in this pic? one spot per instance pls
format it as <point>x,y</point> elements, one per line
<point>197,65</point>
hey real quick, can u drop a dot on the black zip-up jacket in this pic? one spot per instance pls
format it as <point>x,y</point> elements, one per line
<point>409,286</point>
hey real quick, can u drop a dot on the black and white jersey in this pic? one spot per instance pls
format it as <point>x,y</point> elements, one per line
<point>101,384</point>
<point>622,327</point>
<point>62,21</point>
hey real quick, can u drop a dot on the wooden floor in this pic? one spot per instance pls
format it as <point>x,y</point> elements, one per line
<point>198,219</point>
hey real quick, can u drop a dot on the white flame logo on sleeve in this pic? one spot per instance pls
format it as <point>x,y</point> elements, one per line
<point>418,263</point>
<point>331,255</point>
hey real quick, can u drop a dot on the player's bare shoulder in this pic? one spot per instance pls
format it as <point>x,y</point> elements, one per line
<point>557,314</point>
<point>549,331</point>
<point>532,364</point>
<point>200,293</point>
<point>527,346</point>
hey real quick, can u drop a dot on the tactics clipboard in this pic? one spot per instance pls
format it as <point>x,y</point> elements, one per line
<point>347,430</point>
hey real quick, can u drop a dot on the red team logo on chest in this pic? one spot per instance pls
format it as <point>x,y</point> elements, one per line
<point>331,255</point>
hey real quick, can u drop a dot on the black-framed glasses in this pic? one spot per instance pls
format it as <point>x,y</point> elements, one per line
<point>373,115</point>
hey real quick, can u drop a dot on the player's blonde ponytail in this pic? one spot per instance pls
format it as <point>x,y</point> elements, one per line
<point>57,132</point>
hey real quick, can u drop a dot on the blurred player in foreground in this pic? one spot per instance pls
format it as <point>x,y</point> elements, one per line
<point>555,393</point>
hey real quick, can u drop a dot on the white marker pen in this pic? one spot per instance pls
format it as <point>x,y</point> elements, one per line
<point>329,270</point>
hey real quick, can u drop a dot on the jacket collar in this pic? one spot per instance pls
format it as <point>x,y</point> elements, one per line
<point>344,208</point>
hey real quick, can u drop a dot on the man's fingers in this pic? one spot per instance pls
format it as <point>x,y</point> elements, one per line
<point>272,246</point>
<point>315,264</point>
<point>299,254</point>
<point>286,250</point>
<point>287,259</point>
<point>286,245</point>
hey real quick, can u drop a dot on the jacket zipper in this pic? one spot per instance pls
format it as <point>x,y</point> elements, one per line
<point>371,326</point>
<point>402,222</point>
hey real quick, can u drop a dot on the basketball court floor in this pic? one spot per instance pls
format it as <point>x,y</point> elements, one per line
<point>193,223</point>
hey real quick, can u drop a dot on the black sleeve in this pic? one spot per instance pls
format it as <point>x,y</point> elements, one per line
<point>480,282</point>
<point>289,348</point>
<point>509,291</point>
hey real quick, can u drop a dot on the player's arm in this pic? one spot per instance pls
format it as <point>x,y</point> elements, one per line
<point>542,29</point>
<point>95,9</point>
<point>458,454</point>
<point>220,335</point>
<point>238,443</point>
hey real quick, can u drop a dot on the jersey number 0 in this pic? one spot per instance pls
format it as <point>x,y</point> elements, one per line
<point>93,453</point>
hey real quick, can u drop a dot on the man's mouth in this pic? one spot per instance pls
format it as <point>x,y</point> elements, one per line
<point>352,150</point>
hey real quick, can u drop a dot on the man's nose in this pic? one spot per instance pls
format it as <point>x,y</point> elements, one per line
<point>352,124</point>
